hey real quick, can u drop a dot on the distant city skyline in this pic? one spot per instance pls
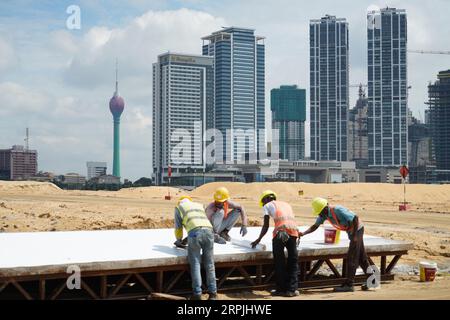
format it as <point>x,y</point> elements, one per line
<point>57,81</point>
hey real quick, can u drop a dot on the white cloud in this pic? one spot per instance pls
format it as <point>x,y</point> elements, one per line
<point>136,45</point>
<point>7,55</point>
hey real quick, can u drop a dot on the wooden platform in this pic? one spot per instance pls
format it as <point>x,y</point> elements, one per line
<point>135,263</point>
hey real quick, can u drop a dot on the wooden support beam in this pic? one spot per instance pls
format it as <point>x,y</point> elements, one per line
<point>259,274</point>
<point>3,285</point>
<point>383,265</point>
<point>58,290</point>
<point>88,289</point>
<point>22,290</point>
<point>246,275</point>
<point>269,277</point>
<point>225,276</point>
<point>103,287</point>
<point>144,282</point>
<point>333,268</point>
<point>371,262</point>
<point>173,281</point>
<point>302,271</point>
<point>42,289</point>
<point>119,285</point>
<point>314,269</point>
<point>393,263</point>
<point>159,281</point>
<point>344,268</point>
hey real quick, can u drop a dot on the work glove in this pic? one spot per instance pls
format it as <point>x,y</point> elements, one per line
<point>243,231</point>
<point>179,244</point>
<point>219,239</point>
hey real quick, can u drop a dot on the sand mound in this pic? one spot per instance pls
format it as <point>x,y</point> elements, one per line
<point>28,186</point>
<point>354,192</point>
<point>151,192</point>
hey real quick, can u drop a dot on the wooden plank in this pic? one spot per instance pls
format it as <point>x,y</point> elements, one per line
<point>164,296</point>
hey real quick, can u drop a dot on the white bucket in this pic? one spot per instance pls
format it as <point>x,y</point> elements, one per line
<point>427,271</point>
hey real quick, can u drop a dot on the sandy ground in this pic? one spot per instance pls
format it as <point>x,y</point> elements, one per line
<point>32,206</point>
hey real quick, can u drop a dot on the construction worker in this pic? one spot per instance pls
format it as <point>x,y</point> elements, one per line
<point>285,235</point>
<point>222,219</point>
<point>192,217</point>
<point>343,219</point>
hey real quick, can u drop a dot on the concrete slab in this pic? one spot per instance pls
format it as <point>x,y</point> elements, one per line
<point>53,252</point>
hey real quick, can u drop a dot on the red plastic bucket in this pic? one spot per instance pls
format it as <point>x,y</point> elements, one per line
<point>331,235</point>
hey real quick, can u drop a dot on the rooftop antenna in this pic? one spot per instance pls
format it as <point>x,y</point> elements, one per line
<point>117,76</point>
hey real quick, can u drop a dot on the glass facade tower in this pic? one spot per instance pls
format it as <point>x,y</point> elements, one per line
<point>387,87</point>
<point>329,85</point>
<point>239,80</point>
<point>288,106</point>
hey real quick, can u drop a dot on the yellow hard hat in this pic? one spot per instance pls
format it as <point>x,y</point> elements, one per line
<point>184,197</point>
<point>318,204</point>
<point>265,194</point>
<point>221,195</point>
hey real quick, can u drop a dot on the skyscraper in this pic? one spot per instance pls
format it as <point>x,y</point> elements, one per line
<point>388,86</point>
<point>239,80</point>
<point>183,109</point>
<point>18,163</point>
<point>439,102</point>
<point>288,105</point>
<point>329,81</point>
<point>116,106</point>
<point>357,131</point>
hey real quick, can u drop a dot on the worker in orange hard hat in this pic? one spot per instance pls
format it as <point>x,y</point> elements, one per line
<point>343,219</point>
<point>223,215</point>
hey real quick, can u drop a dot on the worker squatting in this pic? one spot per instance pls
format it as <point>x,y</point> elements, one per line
<point>206,226</point>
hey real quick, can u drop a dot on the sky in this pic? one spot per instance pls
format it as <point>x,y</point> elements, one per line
<point>58,81</point>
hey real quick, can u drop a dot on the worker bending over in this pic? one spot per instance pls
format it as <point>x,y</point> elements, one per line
<point>192,217</point>
<point>285,235</point>
<point>343,219</point>
<point>222,219</point>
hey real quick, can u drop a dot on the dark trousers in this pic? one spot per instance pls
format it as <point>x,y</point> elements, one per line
<point>286,272</point>
<point>356,256</point>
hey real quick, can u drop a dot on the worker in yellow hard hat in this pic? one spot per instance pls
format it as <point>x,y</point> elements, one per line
<point>191,215</point>
<point>343,219</point>
<point>223,215</point>
<point>285,235</point>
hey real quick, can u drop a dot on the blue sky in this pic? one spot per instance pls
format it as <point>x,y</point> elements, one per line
<point>58,82</point>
